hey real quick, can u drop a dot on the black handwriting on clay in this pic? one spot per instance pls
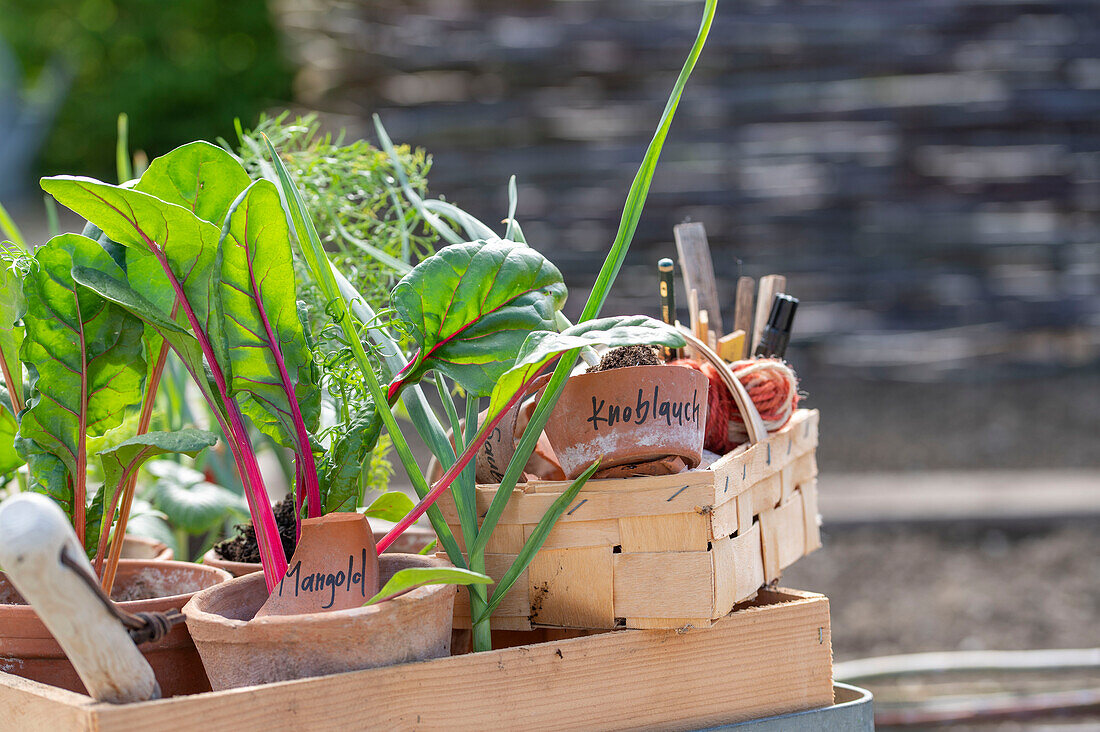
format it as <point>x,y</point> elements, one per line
<point>330,582</point>
<point>645,409</point>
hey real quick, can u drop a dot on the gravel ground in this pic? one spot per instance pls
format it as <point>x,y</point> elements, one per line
<point>910,589</point>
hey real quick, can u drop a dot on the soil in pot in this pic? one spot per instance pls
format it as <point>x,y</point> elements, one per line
<point>239,554</point>
<point>243,547</point>
<point>624,356</point>
<point>27,649</point>
<point>238,650</point>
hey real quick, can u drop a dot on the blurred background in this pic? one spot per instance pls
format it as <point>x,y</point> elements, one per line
<point>925,172</point>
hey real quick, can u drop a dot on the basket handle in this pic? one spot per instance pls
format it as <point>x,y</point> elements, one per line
<point>754,425</point>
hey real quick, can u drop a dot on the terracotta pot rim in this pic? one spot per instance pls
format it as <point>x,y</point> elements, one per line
<point>212,625</point>
<point>629,370</point>
<point>151,603</point>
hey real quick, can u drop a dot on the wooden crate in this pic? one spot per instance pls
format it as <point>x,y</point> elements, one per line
<point>657,552</point>
<point>770,657</point>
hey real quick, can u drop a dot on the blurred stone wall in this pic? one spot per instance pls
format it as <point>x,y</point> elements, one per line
<point>926,172</point>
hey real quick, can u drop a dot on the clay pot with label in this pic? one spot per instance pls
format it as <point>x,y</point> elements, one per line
<point>27,649</point>
<point>644,420</point>
<point>239,649</point>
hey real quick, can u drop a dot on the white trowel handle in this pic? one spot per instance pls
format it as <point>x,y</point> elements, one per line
<point>40,554</point>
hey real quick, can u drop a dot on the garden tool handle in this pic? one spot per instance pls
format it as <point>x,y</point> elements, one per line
<point>754,425</point>
<point>42,558</point>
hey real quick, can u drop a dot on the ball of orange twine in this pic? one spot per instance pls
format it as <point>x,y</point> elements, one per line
<point>772,385</point>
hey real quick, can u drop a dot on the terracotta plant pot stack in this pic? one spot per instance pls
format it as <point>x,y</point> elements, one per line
<point>27,649</point>
<point>238,650</point>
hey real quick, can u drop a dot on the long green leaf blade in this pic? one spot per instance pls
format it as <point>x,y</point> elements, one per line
<point>409,579</point>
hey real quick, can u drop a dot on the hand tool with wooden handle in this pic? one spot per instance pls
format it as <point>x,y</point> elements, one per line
<point>41,556</point>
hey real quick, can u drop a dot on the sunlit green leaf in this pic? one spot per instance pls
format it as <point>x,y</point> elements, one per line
<point>123,460</point>
<point>390,506</point>
<point>470,307</point>
<point>413,577</point>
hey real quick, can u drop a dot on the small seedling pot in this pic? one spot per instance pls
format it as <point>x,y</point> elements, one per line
<point>414,539</point>
<point>238,650</point>
<point>27,649</point>
<point>629,415</point>
<point>140,547</point>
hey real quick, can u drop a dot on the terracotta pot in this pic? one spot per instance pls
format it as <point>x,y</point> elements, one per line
<point>140,547</point>
<point>239,651</point>
<point>629,415</point>
<point>27,649</point>
<point>412,541</point>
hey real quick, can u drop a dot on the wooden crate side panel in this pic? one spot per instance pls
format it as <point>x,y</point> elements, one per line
<point>617,485</point>
<point>797,472</point>
<point>772,660</point>
<point>28,705</point>
<point>766,494</point>
<point>573,587</point>
<point>668,623</point>
<point>664,585</point>
<point>738,569</point>
<point>677,532</point>
<point>725,520</point>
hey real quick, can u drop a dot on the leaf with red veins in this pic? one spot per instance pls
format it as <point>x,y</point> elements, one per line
<point>470,307</point>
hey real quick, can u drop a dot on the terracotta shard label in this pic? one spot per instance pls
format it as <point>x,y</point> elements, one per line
<point>335,567</point>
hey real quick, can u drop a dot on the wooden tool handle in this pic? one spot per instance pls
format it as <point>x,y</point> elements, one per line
<point>754,425</point>
<point>35,535</point>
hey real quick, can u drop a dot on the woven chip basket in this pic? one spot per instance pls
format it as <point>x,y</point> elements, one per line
<point>659,551</point>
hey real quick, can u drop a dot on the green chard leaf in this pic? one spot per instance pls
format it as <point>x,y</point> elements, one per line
<point>470,306</point>
<point>156,233</point>
<point>84,357</point>
<point>543,346</point>
<point>123,460</point>
<point>115,289</point>
<point>390,506</point>
<point>272,367</point>
<point>10,458</point>
<point>12,307</point>
<point>203,178</point>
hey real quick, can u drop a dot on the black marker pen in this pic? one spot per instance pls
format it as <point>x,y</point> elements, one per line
<point>777,332</point>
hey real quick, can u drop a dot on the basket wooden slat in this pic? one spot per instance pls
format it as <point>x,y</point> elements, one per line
<point>658,551</point>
